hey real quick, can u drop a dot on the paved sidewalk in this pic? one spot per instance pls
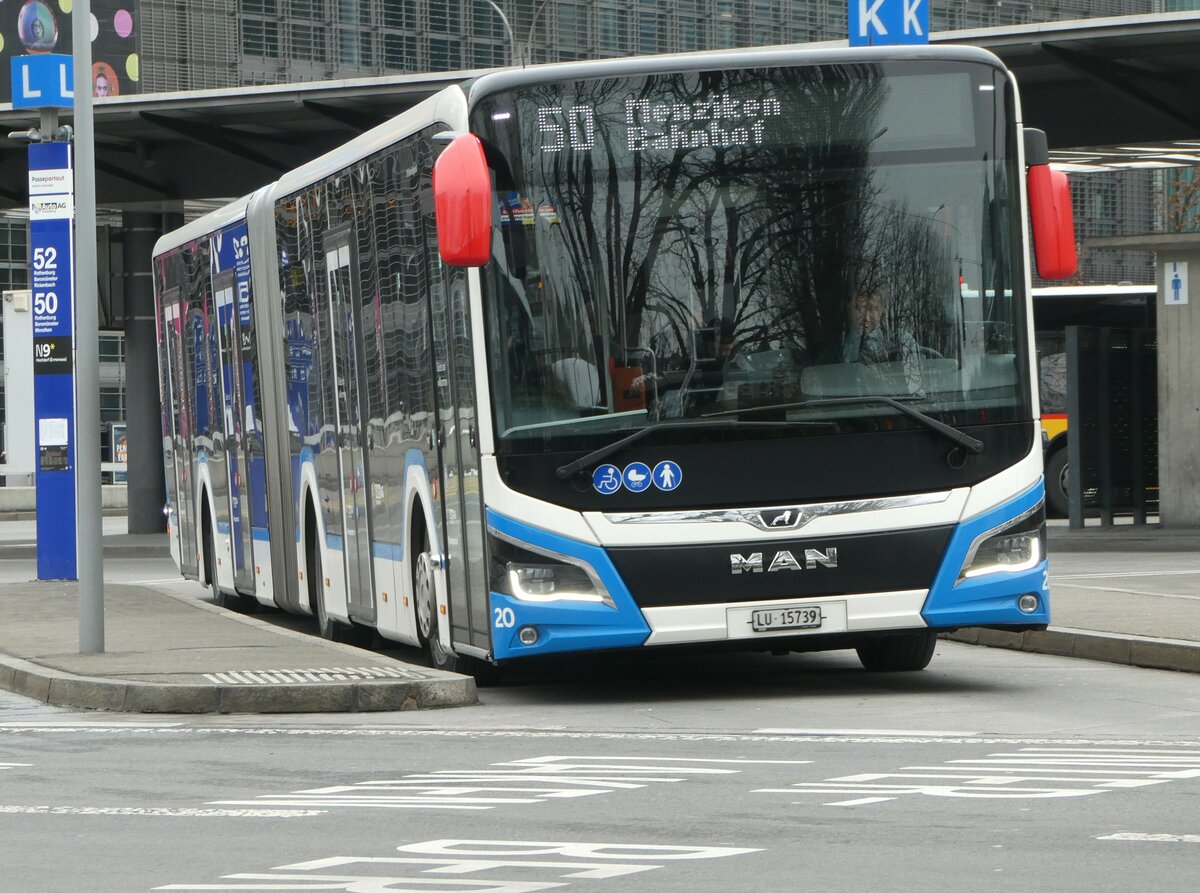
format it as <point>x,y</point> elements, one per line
<point>1126,594</point>
<point>169,651</point>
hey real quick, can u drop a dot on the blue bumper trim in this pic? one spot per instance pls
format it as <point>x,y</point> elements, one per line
<point>991,599</point>
<point>564,626</point>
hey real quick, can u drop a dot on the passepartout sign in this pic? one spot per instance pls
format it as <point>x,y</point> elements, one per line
<point>51,182</point>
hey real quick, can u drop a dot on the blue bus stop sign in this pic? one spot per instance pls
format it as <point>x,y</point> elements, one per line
<point>888,22</point>
<point>51,214</point>
<point>43,81</point>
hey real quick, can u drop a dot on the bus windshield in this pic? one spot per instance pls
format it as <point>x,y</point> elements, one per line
<point>679,245</point>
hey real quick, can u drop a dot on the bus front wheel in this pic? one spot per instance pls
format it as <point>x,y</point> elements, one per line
<point>425,604</point>
<point>1057,500</point>
<point>898,653</point>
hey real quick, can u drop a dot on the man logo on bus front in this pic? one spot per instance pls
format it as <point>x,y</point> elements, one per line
<point>784,560</point>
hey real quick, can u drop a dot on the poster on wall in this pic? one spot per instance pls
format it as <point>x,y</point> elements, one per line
<point>44,26</point>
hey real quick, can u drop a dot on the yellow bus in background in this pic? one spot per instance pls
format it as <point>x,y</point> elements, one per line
<point>1054,309</point>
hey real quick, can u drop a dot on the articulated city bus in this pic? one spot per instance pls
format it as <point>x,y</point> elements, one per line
<point>683,350</point>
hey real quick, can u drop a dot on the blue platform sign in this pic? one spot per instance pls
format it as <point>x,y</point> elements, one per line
<point>51,215</point>
<point>888,22</point>
<point>46,80</point>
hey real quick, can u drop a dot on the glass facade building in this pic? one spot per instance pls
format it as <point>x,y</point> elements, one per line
<point>228,43</point>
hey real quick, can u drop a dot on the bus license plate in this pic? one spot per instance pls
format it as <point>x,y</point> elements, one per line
<point>769,620</point>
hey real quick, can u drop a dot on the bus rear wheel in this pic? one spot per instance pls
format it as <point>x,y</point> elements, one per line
<point>898,653</point>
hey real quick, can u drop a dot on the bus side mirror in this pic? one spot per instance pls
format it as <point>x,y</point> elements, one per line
<point>1053,222</point>
<point>462,199</point>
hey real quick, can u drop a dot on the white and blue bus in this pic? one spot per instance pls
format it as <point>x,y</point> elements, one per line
<point>568,358</point>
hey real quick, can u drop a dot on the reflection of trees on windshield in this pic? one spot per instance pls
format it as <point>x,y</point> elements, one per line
<point>681,265</point>
<point>768,242</point>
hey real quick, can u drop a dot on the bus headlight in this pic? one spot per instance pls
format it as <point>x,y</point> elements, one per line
<point>534,575</point>
<point>1017,545</point>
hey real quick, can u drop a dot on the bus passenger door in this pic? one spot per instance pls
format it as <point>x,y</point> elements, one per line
<point>182,448</point>
<point>233,402</point>
<point>346,341</point>
<point>458,429</point>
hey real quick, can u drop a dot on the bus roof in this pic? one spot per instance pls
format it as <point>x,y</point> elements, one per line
<point>499,80</point>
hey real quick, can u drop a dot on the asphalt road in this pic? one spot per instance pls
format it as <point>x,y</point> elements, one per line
<point>991,770</point>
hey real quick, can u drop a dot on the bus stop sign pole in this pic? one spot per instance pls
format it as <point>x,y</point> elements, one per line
<point>43,82</point>
<point>62,192</point>
<point>53,356</point>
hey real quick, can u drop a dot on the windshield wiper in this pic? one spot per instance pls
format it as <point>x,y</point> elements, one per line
<point>961,438</point>
<point>565,471</point>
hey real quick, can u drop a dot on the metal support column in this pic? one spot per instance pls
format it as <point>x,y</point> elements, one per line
<point>145,484</point>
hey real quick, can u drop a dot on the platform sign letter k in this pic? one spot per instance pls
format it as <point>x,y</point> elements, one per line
<point>910,17</point>
<point>869,17</point>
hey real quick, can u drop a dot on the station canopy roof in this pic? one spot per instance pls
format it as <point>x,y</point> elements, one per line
<point>1110,93</point>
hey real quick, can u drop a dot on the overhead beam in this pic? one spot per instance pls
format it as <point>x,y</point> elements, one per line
<point>1124,79</point>
<point>114,170</point>
<point>215,137</point>
<point>360,121</point>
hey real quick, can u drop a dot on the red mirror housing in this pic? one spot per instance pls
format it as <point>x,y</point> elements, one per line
<point>1053,222</point>
<point>462,199</point>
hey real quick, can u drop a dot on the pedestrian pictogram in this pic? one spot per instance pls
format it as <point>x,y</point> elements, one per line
<point>667,475</point>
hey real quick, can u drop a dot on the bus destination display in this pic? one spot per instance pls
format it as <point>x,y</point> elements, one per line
<point>719,121</point>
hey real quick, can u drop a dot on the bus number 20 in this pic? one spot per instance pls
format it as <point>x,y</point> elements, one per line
<point>504,617</point>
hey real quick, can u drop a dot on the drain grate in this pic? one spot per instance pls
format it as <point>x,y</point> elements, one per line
<point>302,677</point>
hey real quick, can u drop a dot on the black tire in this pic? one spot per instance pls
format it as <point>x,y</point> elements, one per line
<point>899,653</point>
<point>210,560</point>
<point>1057,500</point>
<point>221,599</point>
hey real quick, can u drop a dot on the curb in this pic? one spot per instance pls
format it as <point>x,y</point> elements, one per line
<point>28,552</point>
<point>62,689</point>
<point>1131,650</point>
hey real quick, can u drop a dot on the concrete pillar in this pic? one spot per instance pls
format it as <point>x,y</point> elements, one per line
<point>1179,387</point>
<point>1178,373</point>
<point>145,480</point>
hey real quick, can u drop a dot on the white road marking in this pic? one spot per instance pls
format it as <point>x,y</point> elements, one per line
<point>1105,574</point>
<point>163,811</point>
<point>1076,772</point>
<point>861,801</point>
<point>448,859</point>
<point>322,674</point>
<point>887,732</point>
<point>15,765</point>
<point>1152,838</point>
<point>538,778</point>
<point>932,790</point>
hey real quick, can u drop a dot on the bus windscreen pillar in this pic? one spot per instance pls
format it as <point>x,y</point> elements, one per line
<point>51,211</point>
